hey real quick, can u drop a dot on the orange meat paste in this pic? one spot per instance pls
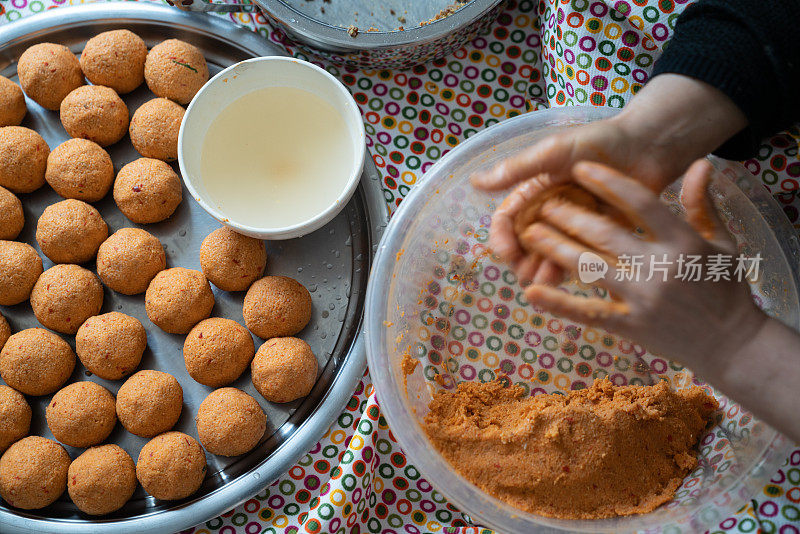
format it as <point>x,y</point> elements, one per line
<point>598,452</point>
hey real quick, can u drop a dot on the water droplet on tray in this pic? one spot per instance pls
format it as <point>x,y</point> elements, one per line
<point>325,314</point>
<point>182,233</point>
<point>312,288</point>
<point>299,269</point>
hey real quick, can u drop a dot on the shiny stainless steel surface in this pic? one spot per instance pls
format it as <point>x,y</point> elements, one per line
<point>326,33</point>
<point>332,262</point>
<point>321,27</point>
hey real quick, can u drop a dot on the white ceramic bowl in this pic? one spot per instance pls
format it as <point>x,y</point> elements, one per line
<point>246,77</point>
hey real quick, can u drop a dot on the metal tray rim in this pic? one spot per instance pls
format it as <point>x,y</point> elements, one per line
<point>337,37</point>
<point>342,386</point>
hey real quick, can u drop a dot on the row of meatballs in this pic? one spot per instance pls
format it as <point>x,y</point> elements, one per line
<point>216,352</point>
<point>67,298</point>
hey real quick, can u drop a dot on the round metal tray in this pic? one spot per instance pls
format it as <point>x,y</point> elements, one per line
<point>332,262</point>
<point>326,35</point>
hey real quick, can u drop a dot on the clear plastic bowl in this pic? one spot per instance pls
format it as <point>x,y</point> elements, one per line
<point>463,327</point>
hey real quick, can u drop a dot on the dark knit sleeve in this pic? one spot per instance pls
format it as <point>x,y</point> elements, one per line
<point>748,49</point>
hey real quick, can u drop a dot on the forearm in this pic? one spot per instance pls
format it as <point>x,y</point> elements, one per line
<point>681,119</point>
<point>763,375</point>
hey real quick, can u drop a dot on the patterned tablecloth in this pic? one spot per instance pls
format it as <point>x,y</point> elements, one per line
<point>538,54</point>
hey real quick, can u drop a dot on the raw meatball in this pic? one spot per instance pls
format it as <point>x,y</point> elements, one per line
<point>217,351</point>
<point>95,113</point>
<point>129,259</point>
<point>230,422</point>
<point>111,345</point>
<point>176,70</point>
<point>65,296</point>
<point>12,219</point>
<point>23,159</point>
<point>154,129</point>
<point>232,261</point>
<point>49,72</point>
<point>20,267</point>
<point>149,403</point>
<point>82,414</point>
<point>147,191</point>
<point>80,169</point>
<point>102,479</point>
<point>277,306</point>
<point>115,59</point>
<point>33,473</point>
<point>15,417</point>
<point>5,331</point>
<point>171,466</point>
<point>12,103</point>
<point>177,299</point>
<point>70,231</point>
<point>284,369</point>
<point>36,361</point>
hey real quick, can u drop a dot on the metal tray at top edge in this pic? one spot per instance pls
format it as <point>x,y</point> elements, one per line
<point>332,262</point>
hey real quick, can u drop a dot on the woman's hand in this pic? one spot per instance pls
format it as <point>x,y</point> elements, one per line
<point>696,322</point>
<point>548,164</point>
<point>713,327</point>
<point>672,122</point>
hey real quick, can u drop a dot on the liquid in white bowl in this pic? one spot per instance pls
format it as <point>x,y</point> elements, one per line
<point>276,157</point>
